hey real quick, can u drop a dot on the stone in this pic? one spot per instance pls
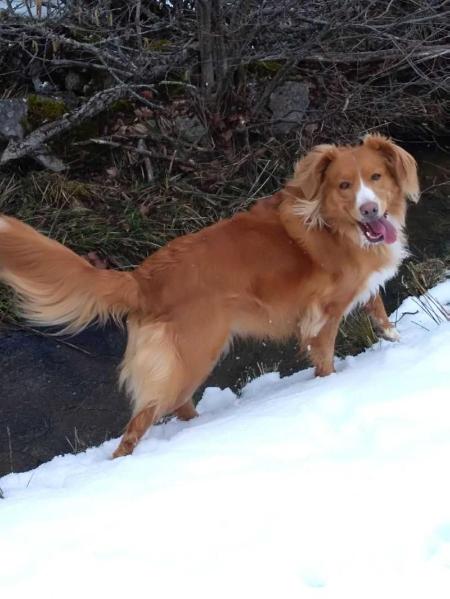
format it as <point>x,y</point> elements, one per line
<point>12,113</point>
<point>73,82</point>
<point>288,104</point>
<point>190,128</point>
<point>49,161</point>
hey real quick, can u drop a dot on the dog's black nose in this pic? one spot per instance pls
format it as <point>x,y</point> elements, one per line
<point>369,210</point>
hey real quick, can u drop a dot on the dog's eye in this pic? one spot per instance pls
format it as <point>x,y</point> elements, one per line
<point>375,176</point>
<point>345,185</point>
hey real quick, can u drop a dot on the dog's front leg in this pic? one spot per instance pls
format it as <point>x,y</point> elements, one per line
<point>321,347</point>
<point>377,312</point>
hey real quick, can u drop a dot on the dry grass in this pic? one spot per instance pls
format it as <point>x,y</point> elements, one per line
<point>77,445</point>
<point>252,372</point>
<point>420,277</point>
<point>356,334</point>
<point>123,218</point>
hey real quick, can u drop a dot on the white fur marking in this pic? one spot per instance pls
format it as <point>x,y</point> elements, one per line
<point>309,211</point>
<point>4,225</point>
<point>377,279</point>
<point>365,194</point>
<point>312,322</point>
<point>391,334</point>
<point>149,364</point>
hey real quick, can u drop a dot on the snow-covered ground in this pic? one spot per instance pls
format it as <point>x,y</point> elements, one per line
<point>300,488</point>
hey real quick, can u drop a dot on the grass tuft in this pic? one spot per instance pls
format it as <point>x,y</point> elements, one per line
<point>77,445</point>
<point>356,334</point>
<point>419,278</point>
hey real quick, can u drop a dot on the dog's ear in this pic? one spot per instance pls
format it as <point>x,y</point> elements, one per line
<point>308,177</point>
<point>400,163</point>
<point>310,171</point>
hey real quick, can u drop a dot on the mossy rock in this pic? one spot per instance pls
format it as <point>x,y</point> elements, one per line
<point>85,130</point>
<point>265,68</point>
<point>65,145</point>
<point>123,105</point>
<point>86,35</point>
<point>156,45</point>
<point>43,110</point>
<point>175,88</point>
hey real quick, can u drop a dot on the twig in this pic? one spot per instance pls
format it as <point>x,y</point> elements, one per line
<point>138,150</point>
<point>147,162</point>
<point>58,340</point>
<point>11,464</point>
<point>349,58</point>
<point>137,21</point>
<point>406,314</point>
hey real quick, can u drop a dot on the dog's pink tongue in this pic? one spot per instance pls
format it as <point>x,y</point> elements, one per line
<point>383,227</point>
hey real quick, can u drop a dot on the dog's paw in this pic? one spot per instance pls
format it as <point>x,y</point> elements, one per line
<point>390,334</point>
<point>125,448</point>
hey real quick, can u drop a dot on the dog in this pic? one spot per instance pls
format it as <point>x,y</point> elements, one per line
<point>294,264</point>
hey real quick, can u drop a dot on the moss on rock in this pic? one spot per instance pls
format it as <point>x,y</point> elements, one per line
<point>123,105</point>
<point>43,110</point>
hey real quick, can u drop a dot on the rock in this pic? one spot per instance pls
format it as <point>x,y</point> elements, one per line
<point>288,104</point>
<point>191,128</point>
<point>12,113</point>
<point>73,82</point>
<point>49,161</point>
<point>43,87</point>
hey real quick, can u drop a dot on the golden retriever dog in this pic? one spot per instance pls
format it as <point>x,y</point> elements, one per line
<point>294,264</point>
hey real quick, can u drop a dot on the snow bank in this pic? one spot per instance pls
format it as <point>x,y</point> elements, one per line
<point>322,488</point>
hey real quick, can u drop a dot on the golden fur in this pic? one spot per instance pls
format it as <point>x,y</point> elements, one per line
<point>292,265</point>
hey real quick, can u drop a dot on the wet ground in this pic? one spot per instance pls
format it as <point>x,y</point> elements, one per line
<point>60,395</point>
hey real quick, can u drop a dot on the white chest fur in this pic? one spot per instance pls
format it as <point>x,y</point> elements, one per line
<point>397,252</point>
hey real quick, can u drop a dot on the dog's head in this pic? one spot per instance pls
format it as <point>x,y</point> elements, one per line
<point>359,191</point>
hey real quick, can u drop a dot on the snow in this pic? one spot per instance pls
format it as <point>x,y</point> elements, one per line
<point>25,8</point>
<point>299,488</point>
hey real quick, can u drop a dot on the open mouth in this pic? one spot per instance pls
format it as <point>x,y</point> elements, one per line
<point>379,230</point>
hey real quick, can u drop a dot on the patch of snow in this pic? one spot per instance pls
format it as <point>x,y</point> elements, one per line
<point>326,488</point>
<point>25,8</point>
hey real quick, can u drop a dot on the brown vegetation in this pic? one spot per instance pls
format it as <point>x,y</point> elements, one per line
<point>366,65</point>
<point>163,116</point>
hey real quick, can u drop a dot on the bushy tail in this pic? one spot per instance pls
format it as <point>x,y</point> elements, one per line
<point>57,287</point>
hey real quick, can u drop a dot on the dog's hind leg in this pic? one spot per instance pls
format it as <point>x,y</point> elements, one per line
<point>163,366</point>
<point>154,377</point>
<point>143,420</point>
<point>136,428</point>
<point>187,411</point>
